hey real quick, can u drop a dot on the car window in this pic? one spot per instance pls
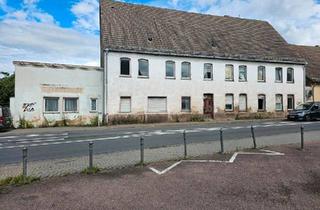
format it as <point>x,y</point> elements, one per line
<point>304,106</point>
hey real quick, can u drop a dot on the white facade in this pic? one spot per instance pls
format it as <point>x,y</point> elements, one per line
<point>35,82</point>
<point>157,85</point>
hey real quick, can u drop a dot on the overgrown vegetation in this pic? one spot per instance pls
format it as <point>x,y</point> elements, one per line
<point>23,123</point>
<point>92,170</point>
<point>18,180</point>
<point>94,121</point>
<point>6,88</point>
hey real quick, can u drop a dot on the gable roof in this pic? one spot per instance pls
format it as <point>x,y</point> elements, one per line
<point>143,29</point>
<point>312,56</point>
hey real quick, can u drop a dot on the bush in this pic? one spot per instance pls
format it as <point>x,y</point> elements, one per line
<point>23,123</point>
<point>18,180</point>
<point>92,170</point>
<point>94,121</point>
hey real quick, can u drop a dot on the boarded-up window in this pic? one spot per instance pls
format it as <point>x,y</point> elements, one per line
<point>143,68</point>
<point>170,69</point>
<point>229,74</point>
<point>290,102</point>
<point>261,103</point>
<point>243,102</point>
<point>229,102</point>
<point>51,104</point>
<point>242,73</point>
<point>279,74</point>
<point>208,71</point>
<point>157,104</point>
<point>186,104</point>
<point>125,104</point>
<point>290,75</point>
<point>279,102</point>
<point>125,66</point>
<point>261,73</point>
<point>185,70</point>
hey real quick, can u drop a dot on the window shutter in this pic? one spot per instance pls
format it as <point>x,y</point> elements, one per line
<point>157,104</point>
<point>125,104</point>
<point>243,103</point>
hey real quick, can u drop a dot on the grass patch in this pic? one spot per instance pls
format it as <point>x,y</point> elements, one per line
<point>92,170</point>
<point>18,180</point>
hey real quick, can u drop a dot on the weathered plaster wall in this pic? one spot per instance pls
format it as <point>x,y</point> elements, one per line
<point>34,82</point>
<point>157,85</point>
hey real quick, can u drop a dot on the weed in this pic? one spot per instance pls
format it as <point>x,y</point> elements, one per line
<point>92,170</point>
<point>18,180</point>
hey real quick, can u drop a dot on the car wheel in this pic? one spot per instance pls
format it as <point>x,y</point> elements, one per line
<point>307,117</point>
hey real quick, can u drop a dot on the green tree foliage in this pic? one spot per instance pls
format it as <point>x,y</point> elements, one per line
<point>6,88</point>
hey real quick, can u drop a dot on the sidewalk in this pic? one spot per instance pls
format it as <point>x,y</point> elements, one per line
<point>252,182</point>
<point>130,158</point>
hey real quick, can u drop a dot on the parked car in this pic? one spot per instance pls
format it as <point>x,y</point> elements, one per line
<point>307,111</point>
<point>5,118</point>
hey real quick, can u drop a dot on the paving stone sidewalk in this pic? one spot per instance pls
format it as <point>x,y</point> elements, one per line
<point>60,167</point>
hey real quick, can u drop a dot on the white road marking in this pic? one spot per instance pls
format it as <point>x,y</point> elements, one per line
<point>231,160</point>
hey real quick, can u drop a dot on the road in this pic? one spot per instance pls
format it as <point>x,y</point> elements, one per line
<point>45,144</point>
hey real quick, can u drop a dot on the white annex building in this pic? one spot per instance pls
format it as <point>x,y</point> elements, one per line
<point>165,65</point>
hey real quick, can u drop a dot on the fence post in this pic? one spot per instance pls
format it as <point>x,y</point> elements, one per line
<point>91,155</point>
<point>24,161</point>
<point>253,137</point>
<point>302,137</point>
<point>141,150</point>
<point>185,144</point>
<point>221,140</point>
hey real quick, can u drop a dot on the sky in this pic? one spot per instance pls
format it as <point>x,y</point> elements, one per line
<point>67,31</point>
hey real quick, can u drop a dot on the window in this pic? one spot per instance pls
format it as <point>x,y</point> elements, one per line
<point>261,103</point>
<point>242,73</point>
<point>93,104</point>
<point>261,73</point>
<point>290,104</point>
<point>208,71</point>
<point>229,73</point>
<point>278,74</point>
<point>279,102</point>
<point>170,69</point>
<point>243,102</point>
<point>51,104</point>
<point>186,104</point>
<point>125,104</point>
<point>185,70</point>
<point>229,103</point>
<point>125,66</point>
<point>143,68</point>
<point>290,75</point>
<point>71,104</point>
<point>157,104</point>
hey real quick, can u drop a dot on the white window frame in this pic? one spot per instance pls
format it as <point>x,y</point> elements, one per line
<point>205,70</point>
<point>281,79</point>
<point>174,69</point>
<point>245,71</point>
<point>264,103</point>
<point>144,60</point>
<point>91,110</point>
<point>232,73</point>
<point>189,64</point>
<point>279,110</point>
<point>263,68</point>
<point>293,101</point>
<point>225,107</point>
<point>64,104</point>
<point>292,71</point>
<point>44,105</point>
<point>130,106</point>
<point>246,97</point>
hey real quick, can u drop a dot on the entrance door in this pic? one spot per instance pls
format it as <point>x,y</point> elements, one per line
<point>208,105</point>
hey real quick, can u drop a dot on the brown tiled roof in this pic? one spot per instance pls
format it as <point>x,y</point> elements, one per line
<point>312,56</point>
<point>143,29</point>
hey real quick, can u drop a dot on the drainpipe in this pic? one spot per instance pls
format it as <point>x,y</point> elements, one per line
<point>105,86</point>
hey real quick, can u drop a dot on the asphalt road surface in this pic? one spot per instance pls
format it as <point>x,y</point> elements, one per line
<point>45,144</point>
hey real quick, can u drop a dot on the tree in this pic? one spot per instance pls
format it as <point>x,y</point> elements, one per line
<point>6,88</point>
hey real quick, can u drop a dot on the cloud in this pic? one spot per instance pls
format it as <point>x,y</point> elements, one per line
<point>87,15</point>
<point>33,35</point>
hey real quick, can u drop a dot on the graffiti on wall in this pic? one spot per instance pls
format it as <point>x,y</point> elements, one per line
<point>28,107</point>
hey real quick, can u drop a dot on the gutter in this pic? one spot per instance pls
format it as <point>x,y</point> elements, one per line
<point>105,86</point>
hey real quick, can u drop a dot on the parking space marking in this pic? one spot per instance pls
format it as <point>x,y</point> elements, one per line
<point>231,160</point>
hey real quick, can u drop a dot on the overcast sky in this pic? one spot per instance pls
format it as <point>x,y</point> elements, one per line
<point>65,31</point>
